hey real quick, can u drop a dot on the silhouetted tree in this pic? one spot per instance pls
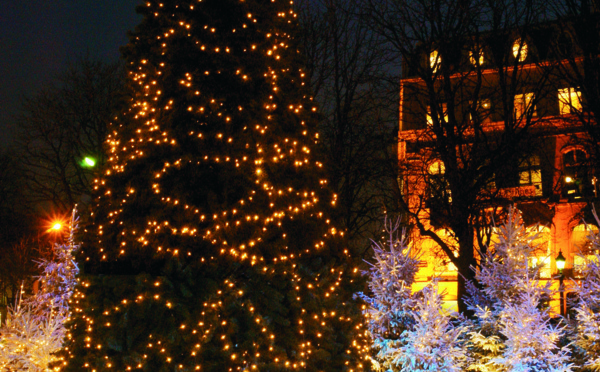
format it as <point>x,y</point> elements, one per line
<point>62,125</point>
<point>463,75</point>
<point>355,86</point>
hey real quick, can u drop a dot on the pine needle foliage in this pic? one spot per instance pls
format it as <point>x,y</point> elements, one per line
<point>211,246</point>
<point>511,330</point>
<point>586,338</point>
<point>410,331</point>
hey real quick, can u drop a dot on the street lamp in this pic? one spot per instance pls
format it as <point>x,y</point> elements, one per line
<point>88,162</point>
<point>560,265</point>
<point>55,227</point>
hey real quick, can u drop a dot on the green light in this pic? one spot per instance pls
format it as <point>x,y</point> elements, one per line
<point>88,162</point>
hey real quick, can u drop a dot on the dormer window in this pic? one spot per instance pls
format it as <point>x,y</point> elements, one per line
<point>476,57</point>
<point>520,49</point>
<point>435,60</point>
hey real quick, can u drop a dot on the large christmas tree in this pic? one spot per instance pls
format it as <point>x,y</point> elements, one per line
<point>210,247</point>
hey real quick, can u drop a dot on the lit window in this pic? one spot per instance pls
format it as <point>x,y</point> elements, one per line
<point>569,100</point>
<point>476,57</point>
<point>576,181</point>
<point>430,118</point>
<point>523,103</point>
<point>542,265</point>
<point>437,168</point>
<point>438,185</point>
<point>530,174</point>
<point>541,258</point>
<point>520,50</point>
<point>583,248</point>
<point>580,261</point>
<point>435,60</point>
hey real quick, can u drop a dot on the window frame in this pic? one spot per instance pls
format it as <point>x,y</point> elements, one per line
<point>532,169</point>
<point>576,180</point>
<point>477,56</point>
<point>523,102</point>
<point>429,117</point>
<point>435,60</point>
<point>566,104</point>
<point>520,49</point>
<point>438,184</point>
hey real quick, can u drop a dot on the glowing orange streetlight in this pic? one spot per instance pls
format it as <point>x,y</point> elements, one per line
<point>55,226</point>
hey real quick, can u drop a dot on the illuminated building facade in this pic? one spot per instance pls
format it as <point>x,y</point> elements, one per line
<point>552,182</point>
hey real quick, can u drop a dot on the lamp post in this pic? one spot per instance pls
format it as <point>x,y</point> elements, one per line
<point>560,265</point>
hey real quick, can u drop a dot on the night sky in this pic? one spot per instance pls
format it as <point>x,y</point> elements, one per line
<point>39,38</point>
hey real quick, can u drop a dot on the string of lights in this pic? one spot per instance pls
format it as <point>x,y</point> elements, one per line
<point>211,246</point>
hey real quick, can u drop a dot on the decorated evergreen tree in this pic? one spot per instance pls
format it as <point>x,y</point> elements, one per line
<point>35,327</point>
<point>436,342</point>
<point>531,342</point>
<point>390,302</point>
<point>587,309</point>
<point>512,330</point>
<point>410,331</point>
<point>210,247</point>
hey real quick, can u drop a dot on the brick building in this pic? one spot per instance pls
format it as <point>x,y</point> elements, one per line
<point>489,122</point>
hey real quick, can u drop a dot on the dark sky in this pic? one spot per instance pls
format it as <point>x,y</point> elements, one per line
<point>39,38</point>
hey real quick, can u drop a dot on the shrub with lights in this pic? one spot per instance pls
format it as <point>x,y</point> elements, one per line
<point>210,246</point>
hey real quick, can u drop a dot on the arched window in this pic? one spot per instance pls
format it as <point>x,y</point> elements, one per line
<point>439,195</point>
<point>438,191</point>
<point>437,167</point>
<point>582,247</point>
<point>520,49</point>
<point>435,60</point>
<point>476,56</point>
